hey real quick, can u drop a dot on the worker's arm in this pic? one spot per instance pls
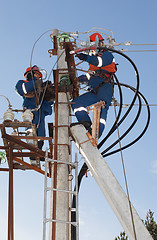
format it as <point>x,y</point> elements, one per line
<point>23,87</point>
<point>99,61</point>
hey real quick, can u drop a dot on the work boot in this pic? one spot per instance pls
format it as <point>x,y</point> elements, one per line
<point>33,159</point>
<point>40,145</point>
<point>86,124</point>
<point>50,128</point>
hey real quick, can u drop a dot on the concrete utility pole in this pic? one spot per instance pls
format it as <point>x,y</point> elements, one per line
<point>60,173</point>
<point>63,155</point>
<point>109,185</point>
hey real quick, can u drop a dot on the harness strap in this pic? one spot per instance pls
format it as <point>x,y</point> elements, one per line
<point>106,80</point>
<point>101,84</point>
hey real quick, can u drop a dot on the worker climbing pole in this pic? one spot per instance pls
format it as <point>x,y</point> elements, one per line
<point>80,142</point>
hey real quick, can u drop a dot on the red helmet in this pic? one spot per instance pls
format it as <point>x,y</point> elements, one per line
<point>93,37</point>
<point>34,68</point>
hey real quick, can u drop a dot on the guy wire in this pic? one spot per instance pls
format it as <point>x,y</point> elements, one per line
<point>124,172</point>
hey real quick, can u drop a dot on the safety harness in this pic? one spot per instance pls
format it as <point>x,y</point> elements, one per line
<point>107,76</point>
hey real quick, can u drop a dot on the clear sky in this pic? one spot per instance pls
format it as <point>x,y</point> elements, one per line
<point>21,24</point>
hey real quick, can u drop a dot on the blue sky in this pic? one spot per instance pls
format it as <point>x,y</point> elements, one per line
<point>21,23</point>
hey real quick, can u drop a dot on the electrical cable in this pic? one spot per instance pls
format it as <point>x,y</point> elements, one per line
<point>31,63</point>
<point>93,30</point>
<point>142,133</point>
<point>43,95</point>
<point>82,172</point>
<point>137,86</point>
<point>129,129</point>
<point>36,43</point>
<point>9,104</point>
<point>31,66</point>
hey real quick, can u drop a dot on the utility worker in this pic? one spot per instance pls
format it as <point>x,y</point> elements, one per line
<point>99,79</point>
<point>31,90</point>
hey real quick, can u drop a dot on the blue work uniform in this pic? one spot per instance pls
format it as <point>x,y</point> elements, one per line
<point>26,90</point>
<point>99,80</point>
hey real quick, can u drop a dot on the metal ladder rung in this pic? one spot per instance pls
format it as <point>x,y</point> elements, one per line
<point>72,209</point>
<point>61,221</point>
<point>61,190</point>
<point>75,223</point>
<point>68,163</point>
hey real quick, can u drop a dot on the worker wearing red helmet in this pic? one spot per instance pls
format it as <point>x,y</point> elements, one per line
<point>30,89</point>
<point>100,82</point>
<point>94,35</point>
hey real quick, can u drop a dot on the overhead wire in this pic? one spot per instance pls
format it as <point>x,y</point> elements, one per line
<point>125,178</point>
<point>43,95</point>
<point>125,50</point>
<point>148,104</point>
<point>147,44</point>
<point>93,30</point>
<point>9,104</point>
<point>36,43</point>
<point>37,97</point>
<point>49,79</point>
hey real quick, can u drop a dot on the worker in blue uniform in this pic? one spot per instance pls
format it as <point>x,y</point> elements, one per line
<point>31,91</point>
<point>99,79</point>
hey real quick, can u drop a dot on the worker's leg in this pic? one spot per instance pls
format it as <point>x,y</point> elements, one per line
<point>39,121</point>
<point>105,93</point>
<point>41,128</point>
<point>79,106</point>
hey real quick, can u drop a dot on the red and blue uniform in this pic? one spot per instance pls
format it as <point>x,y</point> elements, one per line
<point>99,80</point>
<point>26,89</point>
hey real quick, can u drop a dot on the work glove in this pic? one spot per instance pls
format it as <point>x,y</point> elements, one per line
<point>38,84</point>
<point>82,56</point>
<point>50,93</point>
<point>29,77</point>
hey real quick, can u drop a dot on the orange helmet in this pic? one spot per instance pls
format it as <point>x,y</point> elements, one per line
<point>34,68</point>
<point>93,37</point>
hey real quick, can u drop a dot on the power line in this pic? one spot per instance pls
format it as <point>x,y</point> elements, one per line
<point>125,50</point>
<point>127,105</point>
<point>149,44</point>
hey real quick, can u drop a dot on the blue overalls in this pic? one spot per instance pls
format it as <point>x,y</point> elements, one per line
<point>100,85</point>
<point>24,88</point>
